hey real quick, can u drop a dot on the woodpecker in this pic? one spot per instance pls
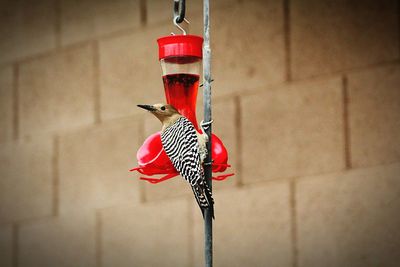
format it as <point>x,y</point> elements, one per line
<point>186,148</point>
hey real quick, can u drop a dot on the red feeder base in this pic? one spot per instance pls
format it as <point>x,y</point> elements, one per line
<point>153,160</point>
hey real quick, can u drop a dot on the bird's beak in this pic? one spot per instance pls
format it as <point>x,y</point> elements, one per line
<point>147,107</point>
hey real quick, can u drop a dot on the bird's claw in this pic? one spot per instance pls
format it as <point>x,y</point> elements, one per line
<point>208,163</point>
<point>205,125</point>
<point>201,85</point>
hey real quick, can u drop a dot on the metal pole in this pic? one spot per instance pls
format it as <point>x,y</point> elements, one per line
<point>207,117</point>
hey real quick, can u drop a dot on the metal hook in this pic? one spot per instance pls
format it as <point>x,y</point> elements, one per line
<point>179,10</point>
<point>179,15</point>
<point>179,27</point>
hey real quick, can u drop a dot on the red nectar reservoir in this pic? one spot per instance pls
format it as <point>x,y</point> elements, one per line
<point>180,58</point>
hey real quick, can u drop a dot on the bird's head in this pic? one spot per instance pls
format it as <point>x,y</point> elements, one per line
<point>164,112</point>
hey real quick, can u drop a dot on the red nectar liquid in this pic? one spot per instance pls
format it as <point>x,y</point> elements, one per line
<point>181,92</point>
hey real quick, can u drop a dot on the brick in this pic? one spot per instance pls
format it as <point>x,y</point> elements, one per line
<point>26,183</point>
<point>293,131</point>
<point>350,218</point>
<point>56,92</point>
<point>374,116</point>
<point>146,235</point>
<point>6,246</point>
<point>6,104</point>
<point>94,166</point>
<point>130,73</point>
<point>26,28</point>
<point>65,241</point>
<point>88,19</point>
<point>327,37</point>
<point>225,130</point>
<point>247,46</point>
<point>225,127</point>
<point>252,227</point>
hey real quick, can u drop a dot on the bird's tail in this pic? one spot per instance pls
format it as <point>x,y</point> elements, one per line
<point>204,197</point>
<point>210,199</point>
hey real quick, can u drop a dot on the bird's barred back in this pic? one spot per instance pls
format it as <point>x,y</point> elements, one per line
<point>180,143</point>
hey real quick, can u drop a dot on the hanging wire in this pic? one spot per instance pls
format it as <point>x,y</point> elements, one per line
<point>179,15</point>
<point>179,10</point>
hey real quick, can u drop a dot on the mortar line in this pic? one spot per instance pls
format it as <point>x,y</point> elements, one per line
<point>98,239</point>
<point>15,101</point>
<point>143,12</point>
<point>347,70</point>
<point>287,43</point>
<point>96,82</point>
<point>57,23</point>
<point>15,247</point>
<point>346,123</point>
<point>293,226</point>
<point>56,178</point>
<point>239,140</point>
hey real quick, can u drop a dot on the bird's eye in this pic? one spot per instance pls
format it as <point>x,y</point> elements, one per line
<point>163,108</point>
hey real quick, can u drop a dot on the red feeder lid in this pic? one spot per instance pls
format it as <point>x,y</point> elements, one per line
<point>180,45</point>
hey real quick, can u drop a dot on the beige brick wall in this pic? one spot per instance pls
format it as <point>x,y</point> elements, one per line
<point>349,218</point>
<point>6,104</point>
<point>252,227</point>
<point>56,92</point>
<point>27,28</point>
<point>61,241</point>
<point>26,180</point>
<point>306,98</point>
<point>6,246</point>
<point>149,234</point>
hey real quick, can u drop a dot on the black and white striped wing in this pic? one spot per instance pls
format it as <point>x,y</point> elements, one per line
<point>181,145</point>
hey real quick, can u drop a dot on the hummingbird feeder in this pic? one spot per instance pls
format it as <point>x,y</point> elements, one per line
<point>180,58</point>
